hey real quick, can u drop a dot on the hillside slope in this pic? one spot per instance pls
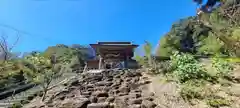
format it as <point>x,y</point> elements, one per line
<point>216,32</point>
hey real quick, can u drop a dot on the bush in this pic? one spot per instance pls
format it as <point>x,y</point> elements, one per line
<point>218,102</point>
<point>194,89</point>
<point>186,67</point>
<point>222,67</point>
<point>165,67</point>
<point>17,105</point>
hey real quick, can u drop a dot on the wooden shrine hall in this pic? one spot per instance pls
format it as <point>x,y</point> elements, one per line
<point>113,55</point>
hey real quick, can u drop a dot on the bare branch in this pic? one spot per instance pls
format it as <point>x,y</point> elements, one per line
<point>15,43</point>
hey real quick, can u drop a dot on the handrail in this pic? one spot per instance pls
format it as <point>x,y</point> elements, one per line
<point>11,86</point>
<point>6,94</point>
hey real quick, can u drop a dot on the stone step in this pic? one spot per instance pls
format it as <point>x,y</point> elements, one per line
<point>5,105</point>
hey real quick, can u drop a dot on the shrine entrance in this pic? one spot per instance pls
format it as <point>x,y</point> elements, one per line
<point>113,54</point>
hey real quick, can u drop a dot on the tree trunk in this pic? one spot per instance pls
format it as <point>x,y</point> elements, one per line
<point>44,94</point>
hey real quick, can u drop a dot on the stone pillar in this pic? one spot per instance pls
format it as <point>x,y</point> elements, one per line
<point>100,62</point>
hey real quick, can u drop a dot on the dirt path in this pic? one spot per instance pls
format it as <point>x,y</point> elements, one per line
<point>166,95</point>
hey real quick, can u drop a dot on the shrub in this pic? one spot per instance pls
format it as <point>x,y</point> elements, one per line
<point>185,67</point>
<point>165,67</point>
<point>218,102</point>
<point>222,67</point>
<point>195,89</point>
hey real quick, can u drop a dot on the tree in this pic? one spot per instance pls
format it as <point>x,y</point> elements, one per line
<point>6,49</point>
<point>148,52</point>
<point>46,69</point>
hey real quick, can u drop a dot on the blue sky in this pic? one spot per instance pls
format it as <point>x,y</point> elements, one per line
<point>49,22</point>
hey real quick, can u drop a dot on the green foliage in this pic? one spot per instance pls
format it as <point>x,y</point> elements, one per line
<point>45,70</point>
<point>65,54</point>
<point>17,105</point>
<point>211,45</point>
<point>148,52</point>
<point>217,102</point>
<point>140,60</point>
<point>222,66</point>
<point>185,36</point>
<point>165,67</point>
<point>194,89</point>
<point>214,33</point>
<point>186,67</point>
<point>36,64</point>
<point>236,34</point>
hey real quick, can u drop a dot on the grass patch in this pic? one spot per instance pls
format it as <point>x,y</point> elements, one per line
<point>233,60</point>
<point>217,102</point>
<point>194,89</point>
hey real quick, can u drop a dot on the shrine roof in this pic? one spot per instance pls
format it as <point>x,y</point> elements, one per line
<point>113,44</point>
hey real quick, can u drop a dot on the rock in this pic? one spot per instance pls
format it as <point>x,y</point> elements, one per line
<point>117,76</point>
<point>221,94</point>
<point>135,106</point>
<point>90,86</point>
<point>104,83</point>
<point>235,90</point>
<point>74,83</point>
<point>121,102</point>
<point>98,105</point>
<point>82,103</point>
<point>75,103</point>
<point>145,82</point>
<point>135,101</point>
<point>115,92</point>
<point>107,89</point>
<point>100,94</point>
<point>122,94</point>
<point>99,88</point>
<point>86,93</point>
<point>137,90</point>
<point>135,95</point>
<point>124,89</point>
<point>136,79</point>
<point>128,79</point>
<point>101,99</point>
<point>145,78</point>
<point>129,74</point>
<point>90,89</point>
<point>62,97</point>
<point>148,104</point>
<point>109,79</point>
<point>149,98</point>
<point>151,94</point>
<point>93,99</point>
<point>115,85</point>
<point>111,105</point>
<point>110,99</point>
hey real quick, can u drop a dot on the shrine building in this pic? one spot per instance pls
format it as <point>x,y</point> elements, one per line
<point>112,55</point>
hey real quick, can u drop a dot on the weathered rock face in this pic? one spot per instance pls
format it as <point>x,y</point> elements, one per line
<point>109,89</point>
